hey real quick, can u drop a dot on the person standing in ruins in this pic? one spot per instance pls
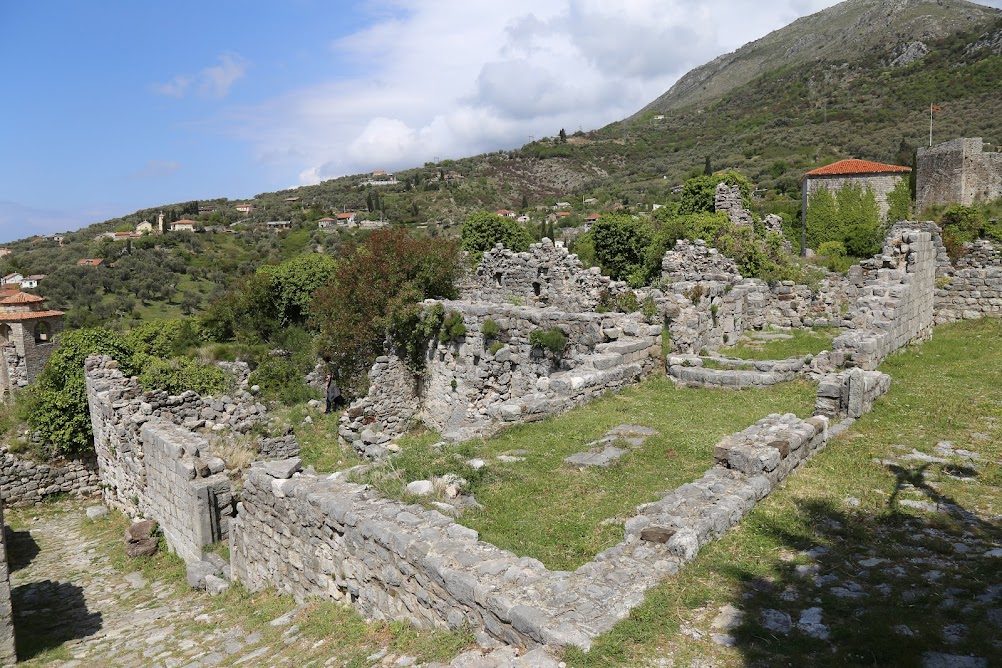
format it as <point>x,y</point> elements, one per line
<point>333,392</point>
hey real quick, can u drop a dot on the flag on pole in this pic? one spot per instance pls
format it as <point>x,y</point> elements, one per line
<point>935,108</point>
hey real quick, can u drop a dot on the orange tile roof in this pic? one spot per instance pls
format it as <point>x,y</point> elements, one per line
<point>854,166</point>
<point>90,262</point>
<point>23,298</point>
<point>342,216</point>
<point>31,315</point>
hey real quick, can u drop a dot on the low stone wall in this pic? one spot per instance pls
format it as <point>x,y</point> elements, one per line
<point>974,288</point>
<point>689,371</point>
<point>8,652</point>
<point>313,536</point>
<point>24,481</point>
<point>151,465</point>
<point>469,389</point>
<point>547,275</point>
<point>850,394</point>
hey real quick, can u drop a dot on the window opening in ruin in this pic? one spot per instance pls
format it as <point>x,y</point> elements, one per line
<point>4,334</point>
<point>536,289</point>
<point>497,279</point>
<point>42,332</point>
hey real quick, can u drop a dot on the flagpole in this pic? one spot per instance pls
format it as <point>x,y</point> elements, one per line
<point>930,124</point>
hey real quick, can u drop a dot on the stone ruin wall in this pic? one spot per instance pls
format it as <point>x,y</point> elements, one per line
<point>957,172</point>
<point>468,391</point>
<point>707,303</point>
<point>881,184</point>
<point>972,289</point>
<point>151,465</point>
<point>24,481</point>
<point>8,652</point>
<point>314,536</point>
<point>547,275</point>
<point>895,305</point>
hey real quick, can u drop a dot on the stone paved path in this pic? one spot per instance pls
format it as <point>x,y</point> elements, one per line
<point>74,609</point>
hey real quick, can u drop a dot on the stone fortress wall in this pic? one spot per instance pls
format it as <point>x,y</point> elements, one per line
<point>959,171</point>
<point>24,481</point>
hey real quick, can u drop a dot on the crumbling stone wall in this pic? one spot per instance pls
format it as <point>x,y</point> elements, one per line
<point>895,304</point>
<point>850,394</point>
<point>8,652</point>
<point>707,304</point>
<point>151,465</point>
<point>468,390</point>
<point>728,199</point>
<point>313,536</point>
<point>957,172</point>
<point>974,288</point>
<point>24,481</point>
<point>547,275</point>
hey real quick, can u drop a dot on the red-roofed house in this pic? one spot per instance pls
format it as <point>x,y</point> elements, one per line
<point>90,262</point>
<point>324,223</point>
<point>244,208</point>
<point>593,217</point>
<point>877,176</point>
<point>183,225</point>
<point>12,279</point>
<point>346,218</point>
<point>506,213</point>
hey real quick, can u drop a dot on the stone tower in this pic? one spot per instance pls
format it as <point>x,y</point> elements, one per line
<point>27,330</point>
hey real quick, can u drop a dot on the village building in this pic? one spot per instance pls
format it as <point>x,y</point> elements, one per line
<point>32,281</point>
<point>183,225</point>
<point>145,227</point>
<point>876,176</point>
<point>90,262</point>
<point>325,223</point>
<point>27,329</point>
<point>279,225</point>
<point>505,213</point>
<point>346,219</point>
<point>13,279</point>
<point>244,208</point>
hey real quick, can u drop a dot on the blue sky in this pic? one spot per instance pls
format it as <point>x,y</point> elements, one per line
<point>114,106</point>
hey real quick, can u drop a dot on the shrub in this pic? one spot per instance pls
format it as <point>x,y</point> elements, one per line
<point>621,245</point>
<point>490,329</point>
<point>627,302</point>
<point>699,192</point>
<point>164,338</point>
<point>376,292</point>
<point>453,327</point>
<point>57,409</point>
<point>495,347</point>
<point>282,380</point>
<point>178,374</point>
<point>551,339</point>
<point>483,230</point>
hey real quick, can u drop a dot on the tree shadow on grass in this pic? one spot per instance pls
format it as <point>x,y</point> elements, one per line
<point>852,587</point>
<point>48,614</point>
<point>21,549</point>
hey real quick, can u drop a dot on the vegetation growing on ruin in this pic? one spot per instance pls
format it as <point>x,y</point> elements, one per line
<point>803,342</point>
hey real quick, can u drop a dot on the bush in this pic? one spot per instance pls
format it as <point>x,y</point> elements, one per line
<point>453,327</point>
<point>627,302</point>
<point>178,374</point>
<point>282,380</point>
<point>482,231</point>
<point>495,347</point>
<point>57,408</point>
<point>490,329</point>
<point>621,245</point>
<point>165,338</point>
<point>376,293</point>
<point>699,192</point>
<point>551,339</point>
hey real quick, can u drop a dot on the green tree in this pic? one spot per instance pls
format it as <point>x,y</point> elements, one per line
<point>57,410</point>
<point>822,218</point>
<point>483,230</point>
<point>294,281</point>
<point>375,281</point>
<point>699,192</point>
<point>899,202</point>
<point>620,246</point>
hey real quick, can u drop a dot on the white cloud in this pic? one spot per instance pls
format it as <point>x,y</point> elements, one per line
<point>156,168</point>
<point>448,78</point>
<point>214,81</point>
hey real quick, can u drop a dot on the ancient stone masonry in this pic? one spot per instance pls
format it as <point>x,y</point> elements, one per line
<point>708,304</point>
<point>313,536</point>
<point>959,171</point>
<point>728,199</point>
<point>974,288</point>
<point>547,275</point>
<point>24,481</point>
<point>8,653</point>
<point>850,394</point>
<point>689,371</point>
<point>474,385</point>
<point>27,329</point>
<point>151,465</point>
<point>895,304</point>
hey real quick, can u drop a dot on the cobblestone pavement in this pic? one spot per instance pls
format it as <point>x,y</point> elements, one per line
<point>75,608</point>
